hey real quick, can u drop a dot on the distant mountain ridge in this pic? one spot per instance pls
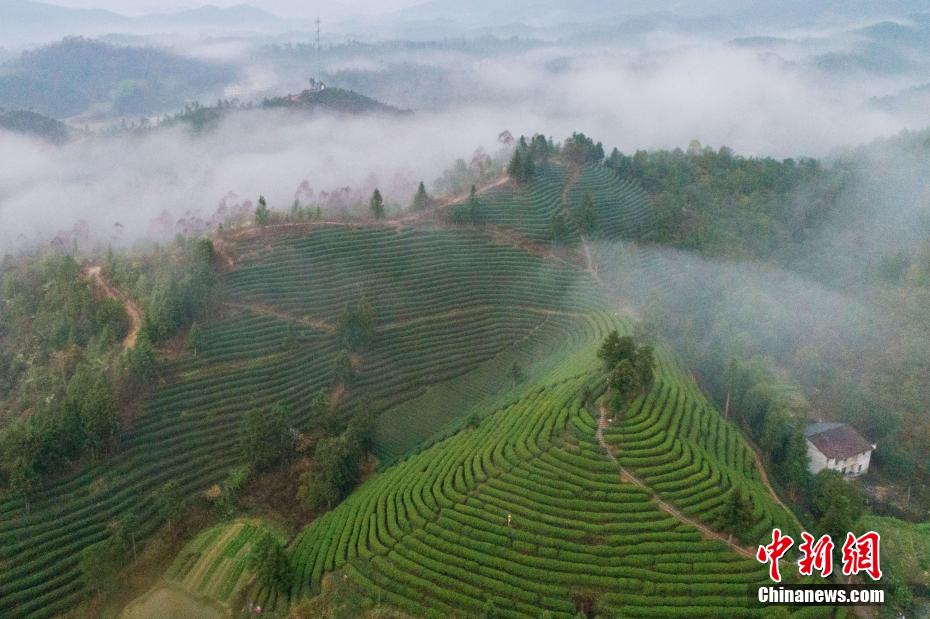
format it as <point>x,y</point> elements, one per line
<point>488,13</point>
<point>69,77</point>
<point>30,123</point>
<point>23,21</point>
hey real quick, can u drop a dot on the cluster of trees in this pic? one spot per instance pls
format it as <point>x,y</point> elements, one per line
<point>58,343</point>
<point>767,416</point>
<point>722,204</point>
<point>65,376</point>
<point>270,563</point>
<point>737,513</point>
<point>356,327</point>
<point>174,288</point>
<point>457,179</point>
<point>528,156</point>
<point>630,368</point>
<point>54,79</point>
<point>585,214</point>
<point>336,465</point>
<point>266,438</point>
<point>579,149</point>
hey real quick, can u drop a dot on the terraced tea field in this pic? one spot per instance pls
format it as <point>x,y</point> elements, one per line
<point>526,512</point>
<point>622,206</point>
<point>451,308</point>
<point>215,564</point>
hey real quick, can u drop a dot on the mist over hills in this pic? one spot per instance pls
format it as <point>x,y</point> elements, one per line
<point>25,21</point>
<point>547,13</point>
<point>69,77</point>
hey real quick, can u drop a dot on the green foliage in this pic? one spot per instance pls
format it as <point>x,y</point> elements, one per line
<point>485,521</point>
<point>376,205</point>
<point>474,211</point>
<point>421,199</point>
<point>768,419</point>
<point>55,80</point>
<point>101,562</point>
<point>585,214</point>
<point>89,397</point>
<point>270,563</point>
<point>230,489</point>
<point>836,503</point>
<point>262,214</point>
<point>174,289</point>
<point>194,338</point>
<point>624,380</point>
<point>336,99</point>
<point>738,513</point>
<point>139,361</point>
<point>22,121</point>
<point>515,168</point>
<point>356,326</point>
<point>631,369</point>
<point>579,149</point>
<point>718,203</point>
<point>334,473</point>
<point>169,502</point>
<point>615,349</point>
<point>265,437</point>
<point>336,462</point>
<point>342,369</point>
<point>558,228</point>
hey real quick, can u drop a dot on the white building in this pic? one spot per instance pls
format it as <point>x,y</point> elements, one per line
<point>838,447</point>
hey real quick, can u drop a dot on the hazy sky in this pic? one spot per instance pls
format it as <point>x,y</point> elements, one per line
<point>283,8</point>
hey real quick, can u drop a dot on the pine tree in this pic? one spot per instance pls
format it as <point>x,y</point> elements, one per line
<point>376,204</point>
<point>737,513</point>
<point>558,228</point>
<point>421,198</point>
<point>529,167</point>
<point>515,167</point>
<point>474,214</point>
<point>586,214</point>
<point>270,563</point>
<point>262,214</point>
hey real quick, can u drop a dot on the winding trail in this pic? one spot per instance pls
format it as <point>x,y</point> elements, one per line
<point>626,476</point>
<point>135,316</point>
<point>589,260</point>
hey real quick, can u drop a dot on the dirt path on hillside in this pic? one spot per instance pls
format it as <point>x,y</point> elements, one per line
<point>626,476</point>
<point>135,316</point>
<point>503,180</point>
<point>573,175</point>
<point>590,266</point>
<point>765,480</point>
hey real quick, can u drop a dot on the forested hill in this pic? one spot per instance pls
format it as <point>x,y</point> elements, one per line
<point>199,117</point>
<point>66,78</point>
<point>332,99</point>
<point>30,123</point>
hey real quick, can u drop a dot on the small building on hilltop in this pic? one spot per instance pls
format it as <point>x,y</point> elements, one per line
<point>838,447</point>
